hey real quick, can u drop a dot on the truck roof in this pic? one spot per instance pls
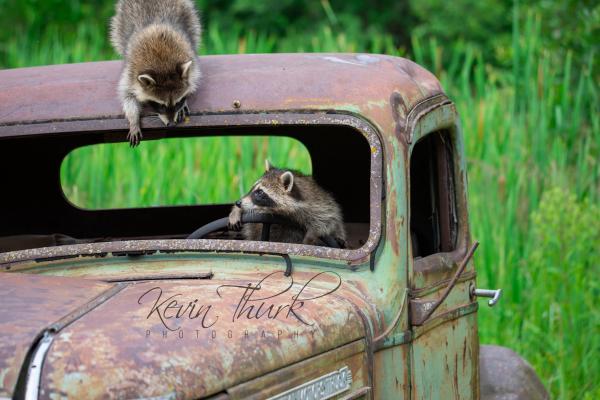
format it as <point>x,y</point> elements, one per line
<point>360,83</point>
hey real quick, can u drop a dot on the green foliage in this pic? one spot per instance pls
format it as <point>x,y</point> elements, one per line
<point>569,25</point>
<point>485,24</point>
<point>564,246</point>
<point>525,83</point>
<point>208,170</point>
<point>528,130</point>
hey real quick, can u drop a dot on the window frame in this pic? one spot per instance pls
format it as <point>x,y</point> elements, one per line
<point>429,273</point>
<point>351,256</point>
<point>441,175</point>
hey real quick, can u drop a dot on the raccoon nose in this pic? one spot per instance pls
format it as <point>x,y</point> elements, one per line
<point>238,203</point>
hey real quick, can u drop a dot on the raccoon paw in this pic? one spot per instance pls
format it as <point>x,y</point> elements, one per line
<point>234,222</point>
<point>310,239</point>
<point>134,136</point>
<point>234,226</point>
<point>340,242</point>
<point>182,114</point>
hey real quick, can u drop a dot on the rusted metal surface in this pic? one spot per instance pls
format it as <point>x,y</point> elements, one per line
<point>29,304</point>
<point>265,82</point>
<point>444,349</point>
<point>445,361</point>
<point>428,271</point>
<point>351,355</point>
<point>393,103</point>
<point>421,310</point>
<point>393,378</point>
<point>116,348</point>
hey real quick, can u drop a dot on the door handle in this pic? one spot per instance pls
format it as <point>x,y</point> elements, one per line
<point>493,294</point>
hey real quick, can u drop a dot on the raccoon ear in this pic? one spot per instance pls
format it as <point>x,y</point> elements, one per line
<point>287,180</point>
<point>185,68</point>
<point>268,165</point>
<point>146,80</point>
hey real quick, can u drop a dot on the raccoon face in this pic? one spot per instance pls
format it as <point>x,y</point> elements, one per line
<point>273,192</point>
<point>167,112</point>
<point>165,93</point>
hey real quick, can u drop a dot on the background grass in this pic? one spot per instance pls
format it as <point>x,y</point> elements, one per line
<point>176,171</point>
<point>530,112</point>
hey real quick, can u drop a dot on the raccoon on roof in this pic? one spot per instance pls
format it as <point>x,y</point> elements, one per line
<point>158,41</point>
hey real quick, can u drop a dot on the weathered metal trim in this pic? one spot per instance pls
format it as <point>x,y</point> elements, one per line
<point>439,261</point>
<point>420,310</point>
<point>338,354</point>
<point>168,277</point>
<point>29,380</point>
<point>370,349</point>
<point>355,256</point>
<point>381,340</point>
<point>34,370</point>
<point>396,339</point>
<point>421,292</point>
<point>422,108</point>
<point>445,118</point>
<point>89,306</point>
<point>116,125</point>
<point>364,391</point>
<point>346,376</point>
<point>369,342</point>
<point>444,317</point>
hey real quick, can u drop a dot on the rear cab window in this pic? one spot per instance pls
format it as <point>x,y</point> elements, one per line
<point>96,190</point>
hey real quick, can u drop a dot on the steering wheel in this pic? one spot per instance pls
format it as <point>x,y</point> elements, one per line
<point>265,219</point>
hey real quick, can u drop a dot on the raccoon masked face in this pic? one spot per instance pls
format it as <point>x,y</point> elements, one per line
<point>274,191</point>
<point>166,93</point>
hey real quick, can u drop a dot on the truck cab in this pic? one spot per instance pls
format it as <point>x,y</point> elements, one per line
<point>122,303</point>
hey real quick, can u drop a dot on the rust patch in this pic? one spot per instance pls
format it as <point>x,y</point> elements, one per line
<point>116,346</point>
<point>28,305</point>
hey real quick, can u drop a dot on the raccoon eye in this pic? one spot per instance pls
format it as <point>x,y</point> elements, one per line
<point>159,108</point>
<point>259,192</point>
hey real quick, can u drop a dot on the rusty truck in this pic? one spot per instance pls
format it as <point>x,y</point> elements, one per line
<point>162,303</point>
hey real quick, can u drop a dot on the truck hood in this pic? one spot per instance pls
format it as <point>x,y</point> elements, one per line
<point>179,338</point>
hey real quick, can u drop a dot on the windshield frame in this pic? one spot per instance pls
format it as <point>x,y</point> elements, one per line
<point>352,256</point>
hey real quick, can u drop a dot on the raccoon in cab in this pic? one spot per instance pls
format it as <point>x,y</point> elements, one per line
<point>313,211</point>
<point>158,41</point>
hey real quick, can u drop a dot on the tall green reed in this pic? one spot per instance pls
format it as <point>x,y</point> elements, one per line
<point>531,133</point>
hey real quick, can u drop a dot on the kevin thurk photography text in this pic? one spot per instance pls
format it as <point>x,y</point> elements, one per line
<point>269,298</point>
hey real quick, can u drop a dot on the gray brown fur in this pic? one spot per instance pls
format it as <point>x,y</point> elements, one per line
<point>158,41</point>
<point>299,199</point>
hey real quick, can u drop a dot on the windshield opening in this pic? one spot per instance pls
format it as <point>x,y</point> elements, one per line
<point>51,208</point>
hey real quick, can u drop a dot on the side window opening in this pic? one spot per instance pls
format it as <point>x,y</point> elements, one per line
<point>433,218</point>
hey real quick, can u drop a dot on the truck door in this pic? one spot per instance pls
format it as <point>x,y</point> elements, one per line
<point>445,346</point>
